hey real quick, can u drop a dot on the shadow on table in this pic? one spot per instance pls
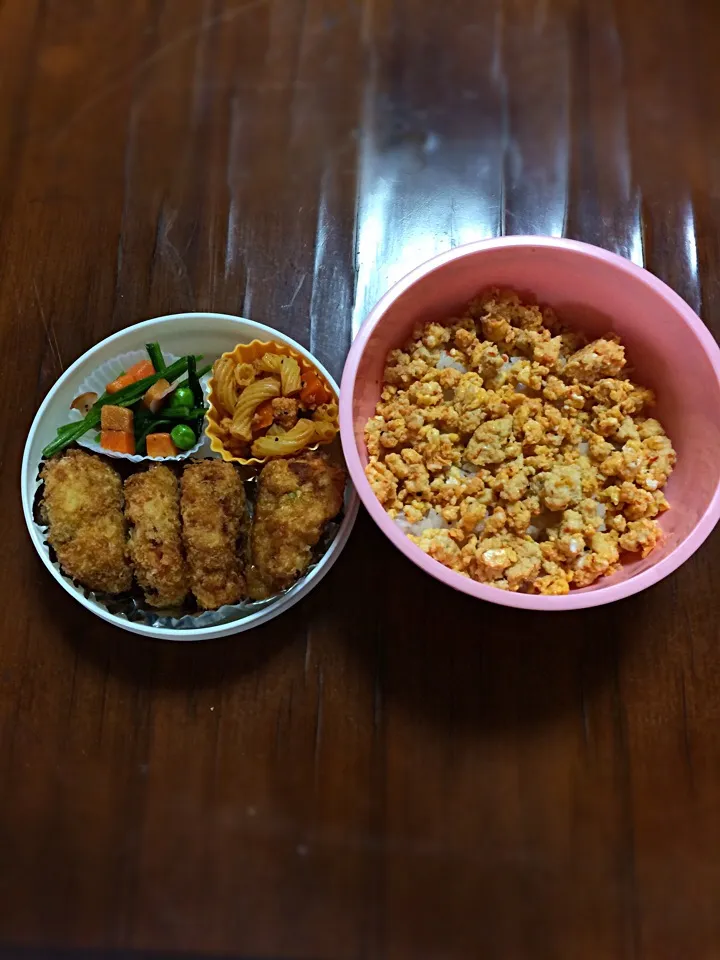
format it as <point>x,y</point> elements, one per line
<point>443,654</point>
<point>458,660</point>
<point>148,663</point>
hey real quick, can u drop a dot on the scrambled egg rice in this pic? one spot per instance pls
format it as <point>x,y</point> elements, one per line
<point>515,453</point>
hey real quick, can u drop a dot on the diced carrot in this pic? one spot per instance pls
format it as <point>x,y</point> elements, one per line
<point>119,383</point>
<point>116,418</point>
<point>160,445</point>
<point>118,441</point>
<point>263,417</point>
<point>313,392</point>
<point>140,370</point>
<point>156,394</point>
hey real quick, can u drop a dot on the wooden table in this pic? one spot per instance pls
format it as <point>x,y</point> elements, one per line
<point>392,770</point>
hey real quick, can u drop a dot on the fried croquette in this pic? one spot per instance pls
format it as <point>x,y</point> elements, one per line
<point>296,499</point>
<point>83,507</point>
<point>214,514</point>
<point>152,508</point>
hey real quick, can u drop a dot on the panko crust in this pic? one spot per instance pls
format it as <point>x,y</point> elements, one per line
<point>152,508</point>
<point>83,507</point>
<point>297,497</point>
<point>214,516</point>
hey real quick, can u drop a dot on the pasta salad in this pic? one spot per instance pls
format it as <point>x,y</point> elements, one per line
<point>268,401</point>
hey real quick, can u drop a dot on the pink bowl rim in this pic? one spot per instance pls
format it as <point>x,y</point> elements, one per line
<point>572,601</point>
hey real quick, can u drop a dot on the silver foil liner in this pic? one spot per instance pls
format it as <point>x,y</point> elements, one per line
<point>132,606</point>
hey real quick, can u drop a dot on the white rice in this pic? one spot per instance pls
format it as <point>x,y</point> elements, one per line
<point>433,521</point>
<point>446,361</point>
<point>510,363</point>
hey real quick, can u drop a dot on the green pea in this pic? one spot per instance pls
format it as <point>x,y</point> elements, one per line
<point>183,437</point>
<point>182,397</point>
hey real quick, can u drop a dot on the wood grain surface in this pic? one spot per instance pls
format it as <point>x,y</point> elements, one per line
<point>392,770</point>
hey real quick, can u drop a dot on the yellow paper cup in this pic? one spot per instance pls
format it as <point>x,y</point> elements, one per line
<point>247,353</point>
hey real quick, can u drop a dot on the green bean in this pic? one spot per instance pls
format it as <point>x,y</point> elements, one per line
<point>201,373</point>
<point>181,413</point>
<point>156,357</point>
<point>140,444</point>
<point>123,398</point>
<point>194,382</point>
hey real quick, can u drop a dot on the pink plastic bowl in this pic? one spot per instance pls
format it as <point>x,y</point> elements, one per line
<point>669,347</point>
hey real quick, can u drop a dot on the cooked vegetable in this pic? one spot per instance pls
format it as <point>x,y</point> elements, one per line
<point>84,402</point>
<point>138,371</point>
<point>313,391</point>
<point>263,416</point>
<point>154,397</point>
<point>156,357</point>
<point>67,428</point>
<point>201,373</point>
<point>196,387</point>
<point>183,436</point>
<point>194,382</point>
<point>197,391</point>
<point>69,433</point>
<point>181,397</point>
<point>120,383</point>
<point>160,445</point>
<point>143,368</point>
<point>152,425</point>
<point>119,441</point>
<point>116,418</point>
<point>173,413</point>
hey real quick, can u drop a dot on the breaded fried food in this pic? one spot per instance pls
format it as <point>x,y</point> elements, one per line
<point>214,512</point>
<point>83,507</point>
<point>296,499</point>
<point>152,508</point>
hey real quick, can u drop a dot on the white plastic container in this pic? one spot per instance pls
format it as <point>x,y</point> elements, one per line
<point>210,334</point>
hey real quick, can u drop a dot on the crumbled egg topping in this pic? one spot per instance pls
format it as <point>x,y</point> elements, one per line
<point>515,453</point>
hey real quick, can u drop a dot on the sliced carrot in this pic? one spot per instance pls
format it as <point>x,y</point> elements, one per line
<point>156,394</point>
<point>118,441</point>
<point>141,369</point>
<point>263,417</point>
<point>160,445</point>
<point>313,392</point>
<point>116,418</point>
<point>120,383</point>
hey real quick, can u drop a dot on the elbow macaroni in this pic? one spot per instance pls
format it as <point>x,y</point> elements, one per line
<point>250,377</point>
<point>290,376</point>
<point>250,400</point>
<point>324,431</point>
<point>287,443</point>
<point>269,363</point>
<point>225,385</point>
